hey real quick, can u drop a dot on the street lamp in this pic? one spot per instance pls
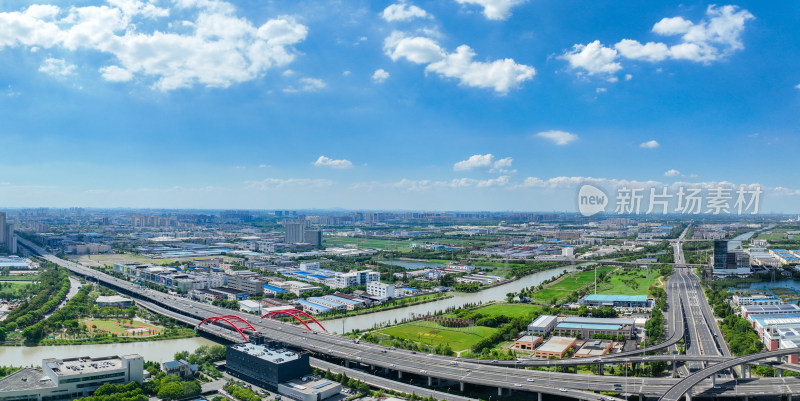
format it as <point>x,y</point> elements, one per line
<point>626,377</point>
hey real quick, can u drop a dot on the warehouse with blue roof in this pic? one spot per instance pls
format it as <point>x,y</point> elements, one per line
<point>616,301</point>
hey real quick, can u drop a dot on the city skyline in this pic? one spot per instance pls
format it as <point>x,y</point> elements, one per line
<point>381,106</point>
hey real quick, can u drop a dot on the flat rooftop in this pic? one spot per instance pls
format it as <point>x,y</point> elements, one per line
<point>543,321</point>
<point>615,298</point>
<point>274,355</point>
<point>594,347</point>
<point>557,344</point>
<point>112,298</point>
<point>780,308</point>
<point>25,379</point>
<point>312,387</point>
<point>591,326</point>
<point>598,320</point>
<point>82,365</point>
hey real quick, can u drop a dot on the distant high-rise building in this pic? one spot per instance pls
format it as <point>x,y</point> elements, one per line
<point>720,254</point>
<point>295,232</point>
<point>313,237</point>
<point>7,238</point>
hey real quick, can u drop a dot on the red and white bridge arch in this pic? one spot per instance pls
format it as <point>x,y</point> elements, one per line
<point>236,322</point>
<point>298,315</point>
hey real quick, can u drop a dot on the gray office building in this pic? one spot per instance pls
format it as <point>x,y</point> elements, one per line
<point>314,237</point>
<point>295,232</point>
<point>265,363</point>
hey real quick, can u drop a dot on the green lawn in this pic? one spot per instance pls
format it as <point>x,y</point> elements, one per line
<point>20,277</point>
<point>568,285</point>
<point>14,289</point>
<point>458,339</point>
<point>635,282</point>
<point>119,328</point>
<point>510,310</point>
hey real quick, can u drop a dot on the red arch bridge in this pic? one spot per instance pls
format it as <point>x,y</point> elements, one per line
<point>240,324</point>
<point>298,315</point>
<point>235,321</point>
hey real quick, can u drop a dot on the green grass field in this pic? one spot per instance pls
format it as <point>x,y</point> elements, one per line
<point>568,285</point>
<point>15,289</point>
<point>510,310</point>
<point>118,328</point>
<point>458,339</point>
<point>634,282</point>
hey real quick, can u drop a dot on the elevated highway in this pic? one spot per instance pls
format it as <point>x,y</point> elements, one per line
<point>427,367</point>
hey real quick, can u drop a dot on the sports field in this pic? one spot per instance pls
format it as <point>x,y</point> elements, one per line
<point>458,339</point>
<point>138,329</point>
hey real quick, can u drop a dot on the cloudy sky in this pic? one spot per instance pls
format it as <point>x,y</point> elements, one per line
<point>446,105</point>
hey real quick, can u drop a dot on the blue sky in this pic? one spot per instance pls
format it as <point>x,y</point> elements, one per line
<point>445,105</point>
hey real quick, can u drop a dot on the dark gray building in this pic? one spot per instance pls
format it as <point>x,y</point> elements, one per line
<point>265,363</point>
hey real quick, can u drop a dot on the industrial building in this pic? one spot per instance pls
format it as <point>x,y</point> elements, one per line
<point>594,348</point>
<point>755,299</point>
<point>586,327</point>
<point>527,342</point>
<point>556,347</point>
<point>309,391</point>
<point>265,363</point>
<point>67,379</point>
<point>542,325</point>
<point>780,309</point>
<point>616,301</point>
<point>380,290</point>
<point>114,301</point>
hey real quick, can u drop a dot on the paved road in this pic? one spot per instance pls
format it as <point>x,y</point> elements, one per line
<point>408,362</point>
<point>74,285</point>
<point>386,384</point>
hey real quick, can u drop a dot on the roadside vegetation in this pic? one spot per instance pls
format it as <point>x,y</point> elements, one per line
<point>53,287</point>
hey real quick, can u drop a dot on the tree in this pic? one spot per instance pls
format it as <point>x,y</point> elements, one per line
<point>170,391</point>
<point>3,334</point>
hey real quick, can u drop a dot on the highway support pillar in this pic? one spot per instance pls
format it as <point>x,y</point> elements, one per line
<point>399,374</point>
<point>347,363</point>
<point>779,371</point>
<point>749,373</point>
<point>789,397</point>
<point>540,397</point>
<point>713,380</point>
<point>674,369</point>
<point>430,381</point>
<point>499,391</point>
<point>689,395</point>
<point>600,369</point>
<point>461,386</point>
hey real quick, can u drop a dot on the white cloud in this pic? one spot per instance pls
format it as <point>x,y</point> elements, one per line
<point>499,75</point>
<point>494,182</point>
<point>649,52</point>
<point>797,86</point>
<point>475,162</point>
<point>651,144</point>
<point>494,9</point>
<point>213,47</point>
<point>486,161</point>
<point>273,183</point>
<point>628,77</point>
<point>402,12</point>
<point>600,90</point>
<point>264,166</point>
<point>307,85</point>
<point>324,161</point>
<point>420,50</point>
<point>713,38</point>
<point>114,73</point>
<point>672,173</point>
<point>380,75</point>
<point>57,67</point>
<point>594,58</point>
<point>558,137</point>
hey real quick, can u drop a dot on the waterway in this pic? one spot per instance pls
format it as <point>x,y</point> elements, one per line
<point>159,351</point>
<point>498,293</point>
<point>162,351</point>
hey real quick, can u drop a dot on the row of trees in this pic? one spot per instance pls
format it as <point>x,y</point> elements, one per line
<point>117,392</point>
<point>54,285</point>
